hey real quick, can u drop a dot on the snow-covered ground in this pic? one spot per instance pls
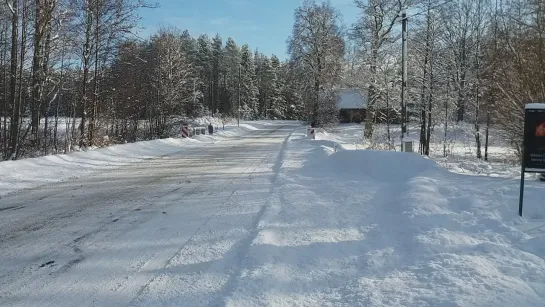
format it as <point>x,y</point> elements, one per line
<point>70,125</point>
<point>373,228</point>
<point>270,218</point>
<point>460,147</point>
<point>29,173</point>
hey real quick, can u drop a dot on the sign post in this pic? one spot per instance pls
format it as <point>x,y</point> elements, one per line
<point>533,148</point>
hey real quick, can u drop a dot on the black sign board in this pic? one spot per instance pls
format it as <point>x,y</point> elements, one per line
<point>534,141</point>
<point>533,146</point>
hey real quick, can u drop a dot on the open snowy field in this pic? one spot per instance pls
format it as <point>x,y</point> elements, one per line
<point>459,144</point>
<point>262,216</point>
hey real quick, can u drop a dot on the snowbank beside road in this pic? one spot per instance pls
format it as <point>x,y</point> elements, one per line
<point>372,228</point>
<point>29,173</point>
<point>460,148</point>
<point>380,165</point>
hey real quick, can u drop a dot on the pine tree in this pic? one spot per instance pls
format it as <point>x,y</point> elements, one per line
<point>231,63</point>
<point>248,85</point>
<point>216,59</point>
<point>278,103</point>
<point>193,96</point>
<point>204,70</point>
<point>265,86</point>
<point>258,61</point>
<point>189,46</point>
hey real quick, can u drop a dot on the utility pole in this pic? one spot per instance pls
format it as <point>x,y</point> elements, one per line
<point>238,113</point>
<point>404,117</point>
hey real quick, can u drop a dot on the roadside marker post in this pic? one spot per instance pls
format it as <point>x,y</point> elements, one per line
<point>185,132</point>
<point>533,146</point>
<point>311,133</point>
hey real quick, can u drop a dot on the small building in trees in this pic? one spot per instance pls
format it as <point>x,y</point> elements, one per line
<point>352,106</point>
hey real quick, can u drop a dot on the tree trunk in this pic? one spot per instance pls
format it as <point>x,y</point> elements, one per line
<point>55,130</point>
<point>487,133</point>
<point>388,120</point>
<point>423,125</point>
<point>73,133</point>
<point>45,71</point>
<point>92,118</point>
<point>315,104</point>
<point>423,105</point>
<point>86,64</point>
<point>370,112</point>
<point>461,105</point>
<point>478,85</point>
<point>59,100</point>
<point>423,134</point>
<point>478,127</point>
<point>5,86</point>
<point>16,112</point>
<point>37,73</point>
<point>446,121</point>
<point>430,106</point>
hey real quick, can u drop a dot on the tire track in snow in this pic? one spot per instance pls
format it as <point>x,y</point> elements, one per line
<point>76,219</point>
<point>245,245</point>
<point>250,170</point>
<point>139,279</point>
<point>68,253</point>
<point>168,261</point>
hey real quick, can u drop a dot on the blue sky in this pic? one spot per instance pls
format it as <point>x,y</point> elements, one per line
<point>263,24</point>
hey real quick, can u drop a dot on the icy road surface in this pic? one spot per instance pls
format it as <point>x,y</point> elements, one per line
<point>168,231</point>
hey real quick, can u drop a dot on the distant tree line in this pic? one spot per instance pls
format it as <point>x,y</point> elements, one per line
<point>73,75</point>
<point>174,73</point>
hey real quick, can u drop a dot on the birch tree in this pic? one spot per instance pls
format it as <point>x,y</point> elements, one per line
<point>373,31</point>
<point>15,103</point>
<point>317,48</point>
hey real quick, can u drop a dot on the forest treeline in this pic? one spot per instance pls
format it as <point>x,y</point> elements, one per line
<point>73,74</point>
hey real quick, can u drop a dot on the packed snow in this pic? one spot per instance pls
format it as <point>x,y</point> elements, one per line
<point>376,228</point>
<point>30,173</point>
<point>267,217</point>
<point>459,145</point>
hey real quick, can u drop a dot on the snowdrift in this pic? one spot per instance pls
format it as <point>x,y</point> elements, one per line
<point>375,228</point>
<point>376,165</point>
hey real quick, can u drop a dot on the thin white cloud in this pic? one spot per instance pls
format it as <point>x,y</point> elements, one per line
<point>245,27</point>
<point>221,21</point>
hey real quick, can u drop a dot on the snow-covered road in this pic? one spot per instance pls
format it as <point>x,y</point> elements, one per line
<point>268,218</point>
<point>167,231</point>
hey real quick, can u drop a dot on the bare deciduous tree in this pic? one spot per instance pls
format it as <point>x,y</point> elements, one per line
<point>373,31</point>
<point>317,47</point>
